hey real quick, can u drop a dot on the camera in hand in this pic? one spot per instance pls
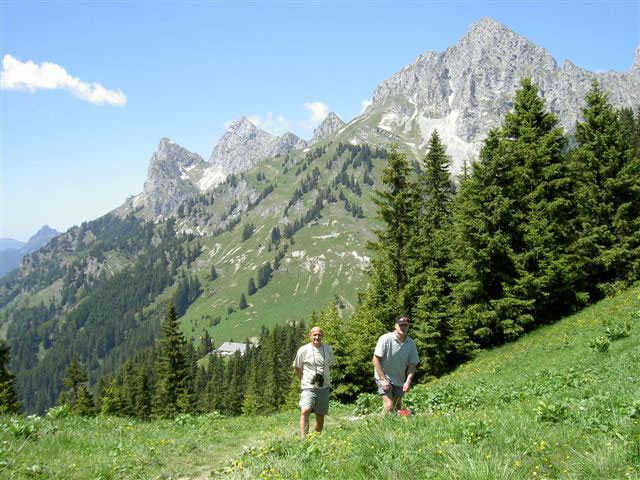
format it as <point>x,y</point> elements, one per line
<point>318,380</point>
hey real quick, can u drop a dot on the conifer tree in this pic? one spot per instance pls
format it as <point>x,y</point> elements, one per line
<point>292,398</point>
<point>84,403</point>
<point>141,393</point>
<point>607,163</point>
<point>352,340</point>
<point>517,222</point>
<point>9,402</point>
<point>172,389</point>
<point>233,385</point>
<point>206,344</point>
<point>251,288</point>
<point>111,403</point>
<point>389,270</point>
<point>252,403</point>
<point>212,398</point>
<point>427,297</point>
<point>243,302</point>
<point>77,395</point>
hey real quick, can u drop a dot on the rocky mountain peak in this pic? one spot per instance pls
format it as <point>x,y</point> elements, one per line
<point>636,62</point>
<point>170,155</point>
<point>166,185</point>
<point>330,125</point>
<point>466,90</point>
<point>486,29</point>
<point>241,146</point>
<point>243,125</point>
<point>288,141</point>
<point>45,232</point>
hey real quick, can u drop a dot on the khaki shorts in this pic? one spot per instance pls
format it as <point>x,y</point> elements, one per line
<point>317,399</point>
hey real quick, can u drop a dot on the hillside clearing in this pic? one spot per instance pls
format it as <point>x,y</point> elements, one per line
<point>555,404</point>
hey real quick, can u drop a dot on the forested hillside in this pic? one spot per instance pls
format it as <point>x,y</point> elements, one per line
<point>293,228</point>
<point>537,228</point>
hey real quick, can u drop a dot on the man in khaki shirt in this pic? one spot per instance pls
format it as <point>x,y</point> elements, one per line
<point>311,365</point>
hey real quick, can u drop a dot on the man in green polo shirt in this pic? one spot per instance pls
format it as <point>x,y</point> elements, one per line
<point>395,360</point>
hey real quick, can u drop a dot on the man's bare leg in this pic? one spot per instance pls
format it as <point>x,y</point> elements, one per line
<point>319,424</point>
<point>387,404</point>
<point>304,421</point>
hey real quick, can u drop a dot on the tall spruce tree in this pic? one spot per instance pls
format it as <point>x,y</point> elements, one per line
<point>517,224</point>
<point>389,269</point>
<point>111,402</point>
<point>607,163</point>
<point>212,397</point>
<point>9,402</point>
<point>352,339</point>
<point>172,391</point>
<point>427,295</point>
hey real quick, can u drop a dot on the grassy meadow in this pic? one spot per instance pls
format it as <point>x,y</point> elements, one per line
<point>562,402</point>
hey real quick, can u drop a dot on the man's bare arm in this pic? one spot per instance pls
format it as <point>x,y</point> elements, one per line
<point>378,366</point>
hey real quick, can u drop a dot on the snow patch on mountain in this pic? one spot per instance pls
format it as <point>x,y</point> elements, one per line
<point>211,177</point>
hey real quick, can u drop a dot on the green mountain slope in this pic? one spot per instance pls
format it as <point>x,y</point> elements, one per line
<point>296,224</point>
<point>550,405</point>
<point>562,402</point>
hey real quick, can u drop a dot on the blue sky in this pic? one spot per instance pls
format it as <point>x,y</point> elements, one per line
<point>183,70</point>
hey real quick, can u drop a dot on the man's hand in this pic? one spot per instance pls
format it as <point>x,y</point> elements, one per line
<point>406,386</point>
<point>386,386</point>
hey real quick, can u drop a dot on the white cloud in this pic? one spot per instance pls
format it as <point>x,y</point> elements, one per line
<point>364,104</point>
<point>17,75</point>
<point>276,124</point>
<point>318,111</point>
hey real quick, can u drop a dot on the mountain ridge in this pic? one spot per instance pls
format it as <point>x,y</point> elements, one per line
<point>10,258</point>
<point>462,91</point>
<point>297,221</point>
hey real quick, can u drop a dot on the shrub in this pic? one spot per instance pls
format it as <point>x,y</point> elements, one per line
<point>601,343</point>
<point>616,332</point>
<point>553,412</point>
<point>367,403</point>
<point>27,427</point>
<point>61,411</point>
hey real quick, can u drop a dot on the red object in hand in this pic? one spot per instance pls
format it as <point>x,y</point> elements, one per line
<point>404,413</point>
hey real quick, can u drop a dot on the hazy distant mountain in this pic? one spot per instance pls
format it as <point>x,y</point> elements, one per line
<point>10,243</point>
<point>10,258</point>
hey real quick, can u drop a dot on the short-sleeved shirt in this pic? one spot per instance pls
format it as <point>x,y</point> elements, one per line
<point>312,360</point>
<point>395,356</point>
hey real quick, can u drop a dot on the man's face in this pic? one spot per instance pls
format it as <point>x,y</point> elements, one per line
<point>402,329</point>
<point>316,336</point>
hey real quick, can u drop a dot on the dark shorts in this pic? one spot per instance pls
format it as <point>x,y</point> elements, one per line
<point>317,399</point>
<point>394,392</point>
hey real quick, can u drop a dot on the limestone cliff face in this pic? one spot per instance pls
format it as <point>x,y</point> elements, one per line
<point>243,145</point>
<point>467,89</point>
<point>172,169</point>
<point>330,125</point>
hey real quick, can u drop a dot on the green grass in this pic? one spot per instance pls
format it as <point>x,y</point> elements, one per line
<point>120,448</point>
<point>551,405</point>
<point>546,406</point>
